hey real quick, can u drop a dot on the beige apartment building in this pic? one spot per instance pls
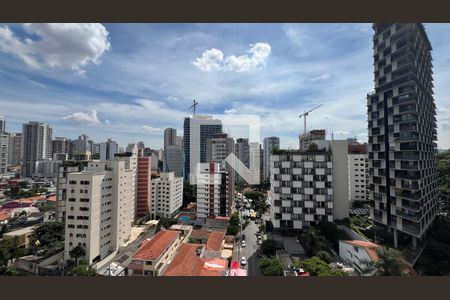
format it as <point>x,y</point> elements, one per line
<point>99,209</point>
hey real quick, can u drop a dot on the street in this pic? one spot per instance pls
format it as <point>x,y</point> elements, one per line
<point>250,250</point>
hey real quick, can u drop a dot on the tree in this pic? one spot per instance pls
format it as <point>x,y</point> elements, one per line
<point>8,271</point>
<point>313,241</point>
<point>76,253</point>
<point>49,237</point>
<point>254,195</point>
<point>270,266</point>
<point>389,263</point>
<point>189,193</point>
<point>313,147</point>
<point>83,270</point>
<point>234,224</point>
<point>9,250</point>
<point>269,247</point>
<point>167,222</point>
<point>318,267</point>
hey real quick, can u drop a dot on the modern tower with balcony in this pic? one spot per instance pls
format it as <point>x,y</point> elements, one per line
<point>402,132</point>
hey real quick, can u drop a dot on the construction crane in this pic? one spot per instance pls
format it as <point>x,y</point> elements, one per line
<point>305,114</point>
<point>194,105</point>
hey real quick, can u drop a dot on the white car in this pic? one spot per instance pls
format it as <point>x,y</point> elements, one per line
<point>259,242</point>
<point>243,261</point>
<point>243,244</point>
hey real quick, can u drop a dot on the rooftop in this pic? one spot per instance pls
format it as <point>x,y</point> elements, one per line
<point>370,247</point>
<point>187,262</point>
<point>152,249</point>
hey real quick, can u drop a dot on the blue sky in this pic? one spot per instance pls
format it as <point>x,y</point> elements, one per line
<point>130,81</point>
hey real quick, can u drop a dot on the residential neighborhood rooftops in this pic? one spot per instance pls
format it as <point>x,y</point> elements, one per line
<point>215,241</point>
<point>187,262</point>
<point>152,249</point>
<point>370,247</point>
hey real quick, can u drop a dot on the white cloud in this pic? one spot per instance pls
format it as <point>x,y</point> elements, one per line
<point>84,118</point>
<point>214,60</point>
<point>172,98</point>
<point>231,111</point>
<point>341,132</point>
<point>150,128</point>
<point>320,77</point>
<point>69,46</point>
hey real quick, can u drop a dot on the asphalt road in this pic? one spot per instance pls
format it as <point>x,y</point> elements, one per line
<point>250,250</point>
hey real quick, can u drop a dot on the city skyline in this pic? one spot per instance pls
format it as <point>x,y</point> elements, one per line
<point>130,82</point>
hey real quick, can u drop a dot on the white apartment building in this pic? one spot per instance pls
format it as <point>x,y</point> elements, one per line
<point>36,144</point>
<point>15,149</point>
<point>167,195</point>
<point>358,177</point>
<point>309,186</point>
<point>4,148</point>
<point>212,191</point>
<point>46,169</point>
<point>131,163</point>
<point>99,210</point>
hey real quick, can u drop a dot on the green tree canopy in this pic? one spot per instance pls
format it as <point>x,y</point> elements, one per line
<point>49,237</point>
<point>318,267</point>
<point>83,270</point>
<point>270,266</point>
<point>390,264</point>
<point>269,247</point>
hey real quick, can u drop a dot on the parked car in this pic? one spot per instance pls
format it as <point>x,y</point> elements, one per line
<point>243,244</point>
<point>259,242</point>
<point>243,261</point>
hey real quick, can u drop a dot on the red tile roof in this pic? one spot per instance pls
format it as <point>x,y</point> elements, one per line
<point>215,241</point>
<point>370,247</point>
<point>152,249</point>
<point>52,198</point>
<point>187,263</point>
<point>200,234</point>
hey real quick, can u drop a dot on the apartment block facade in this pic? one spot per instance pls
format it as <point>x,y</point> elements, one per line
<point>197,130</point>
<point>167,195</point>
<point>358,174</point>
<point>269,143</point>
<point>308,187</point>
<point>99,209</point>
<point>143,186</point>
<point>402,132</point>
<point>212,191</point>
<point>36,144</point>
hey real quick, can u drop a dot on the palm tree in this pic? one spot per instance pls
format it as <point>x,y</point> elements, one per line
<point>314,242</point>
<point>76,253</point>
<point>389,263</point>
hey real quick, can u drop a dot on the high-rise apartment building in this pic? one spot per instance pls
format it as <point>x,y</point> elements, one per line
<point>217,150</point>
<point>143,186</point>
<point>167,195</point>
<point>4,149</point>
<point>358,173</point>
<point>15,149</point>
<point>99,210</point>
<point>2,124</point>
<point>173,160</point>
<point>108,149</point>
<point>316,136</point>
<point>131,163</point>
<point>64,168</point>
<point>36,144</point>
<point>242,152</point>
<point>402,132</point>
<point>212,191</point>
<point>170,137</point>
<point>197,129</point>
<point>59,145</point>
<point>308,187</point>
<point>269,143</point>
<point>81,148</point>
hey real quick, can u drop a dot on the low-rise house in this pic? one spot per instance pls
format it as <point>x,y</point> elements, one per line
<point>190,261</point>
<point>23,235</point>
<point>359,254</point>
<point>155,254</point>
<point>45,265</point>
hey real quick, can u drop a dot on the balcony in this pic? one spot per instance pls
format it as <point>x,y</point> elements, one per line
<point>407,155</point>
<point>408,194</point>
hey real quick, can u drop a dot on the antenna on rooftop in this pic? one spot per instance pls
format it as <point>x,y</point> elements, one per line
<point>194,105</point>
